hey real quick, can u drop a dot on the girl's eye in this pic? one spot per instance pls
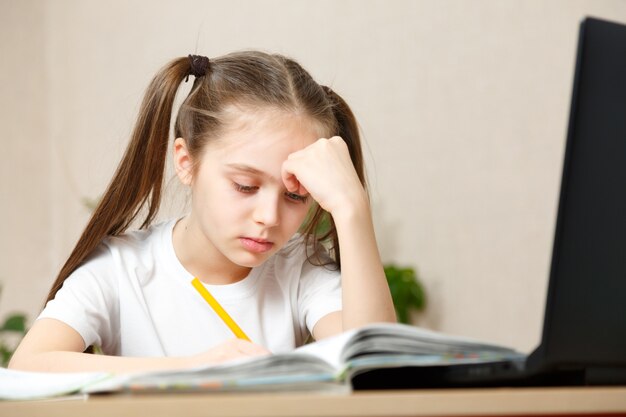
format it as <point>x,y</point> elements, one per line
<point>245,188</point>
<point>296,197</point>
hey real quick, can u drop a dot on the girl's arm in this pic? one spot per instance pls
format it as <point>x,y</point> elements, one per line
<point>53,346</point>
<point>324,169</point>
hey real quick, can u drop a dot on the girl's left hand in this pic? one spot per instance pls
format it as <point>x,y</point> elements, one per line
<point>324,170</point>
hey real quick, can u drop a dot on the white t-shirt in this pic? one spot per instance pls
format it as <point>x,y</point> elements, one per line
<point>134,298</point>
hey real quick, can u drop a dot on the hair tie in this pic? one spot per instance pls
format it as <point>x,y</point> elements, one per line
<point>199,65</point>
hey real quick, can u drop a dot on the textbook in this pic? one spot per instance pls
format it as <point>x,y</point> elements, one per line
<point>330,364</point>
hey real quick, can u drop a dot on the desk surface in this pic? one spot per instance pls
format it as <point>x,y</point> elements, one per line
<point>451,402</point>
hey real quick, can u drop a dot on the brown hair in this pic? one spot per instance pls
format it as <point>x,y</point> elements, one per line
<point>247,78</point>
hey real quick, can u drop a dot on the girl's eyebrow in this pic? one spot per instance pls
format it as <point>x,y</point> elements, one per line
<point>248,169</point>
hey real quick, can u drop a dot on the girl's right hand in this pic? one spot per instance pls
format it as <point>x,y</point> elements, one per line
<point>229,350</point>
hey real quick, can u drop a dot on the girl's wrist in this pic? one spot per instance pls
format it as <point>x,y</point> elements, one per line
<point>353,210</point>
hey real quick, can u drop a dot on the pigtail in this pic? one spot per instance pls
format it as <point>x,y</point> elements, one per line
<point>348,129</point>
<point>137,183</point>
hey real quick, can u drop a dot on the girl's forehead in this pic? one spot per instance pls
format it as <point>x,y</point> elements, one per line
<point>264,129</point>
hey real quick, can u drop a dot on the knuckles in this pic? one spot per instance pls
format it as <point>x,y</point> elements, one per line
<point>326,145</point>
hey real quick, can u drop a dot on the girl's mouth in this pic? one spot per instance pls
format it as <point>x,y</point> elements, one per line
<point>256,245</point>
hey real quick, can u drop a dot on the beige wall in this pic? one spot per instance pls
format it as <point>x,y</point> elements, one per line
<point>463,106</point>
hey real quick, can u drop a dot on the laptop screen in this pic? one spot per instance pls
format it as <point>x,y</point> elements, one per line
<point>585,316</point>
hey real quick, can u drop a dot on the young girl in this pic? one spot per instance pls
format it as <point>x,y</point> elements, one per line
<point>272,159</point>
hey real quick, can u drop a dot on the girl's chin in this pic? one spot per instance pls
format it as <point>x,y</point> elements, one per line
<point>250,260</point>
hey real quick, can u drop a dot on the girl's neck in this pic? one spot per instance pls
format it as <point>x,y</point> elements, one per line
<point>201,259</point>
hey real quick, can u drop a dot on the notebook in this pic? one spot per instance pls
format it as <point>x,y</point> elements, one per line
<point>584,329</point>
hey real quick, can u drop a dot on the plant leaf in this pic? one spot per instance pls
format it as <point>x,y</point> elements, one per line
<point>15,323</point>
<point>406,291</point>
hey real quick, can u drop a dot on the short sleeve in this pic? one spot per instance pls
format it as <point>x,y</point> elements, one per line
<point>88,302</point>
<point>319,293</point>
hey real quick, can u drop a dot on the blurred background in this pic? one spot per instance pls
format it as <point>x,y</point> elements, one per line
<point>463,107</point>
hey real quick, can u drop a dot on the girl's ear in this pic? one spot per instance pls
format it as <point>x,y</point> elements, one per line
<point>182,161</point>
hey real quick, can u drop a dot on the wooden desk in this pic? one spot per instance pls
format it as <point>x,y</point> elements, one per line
<point>583,401</point>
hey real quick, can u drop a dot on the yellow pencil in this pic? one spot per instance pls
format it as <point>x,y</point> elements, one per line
<point>219,310</point>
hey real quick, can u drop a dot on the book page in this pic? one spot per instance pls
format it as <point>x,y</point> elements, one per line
<point>329,349</point>
<point>401,339</point>
<point>24,385</point>
<point>282,371</point>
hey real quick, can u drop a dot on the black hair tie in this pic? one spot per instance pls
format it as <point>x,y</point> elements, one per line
<point>199,65</point>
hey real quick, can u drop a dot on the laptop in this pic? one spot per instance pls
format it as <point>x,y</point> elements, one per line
<point>584,329</point>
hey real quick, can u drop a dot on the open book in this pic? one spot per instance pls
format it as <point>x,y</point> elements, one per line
<point>330,364</point>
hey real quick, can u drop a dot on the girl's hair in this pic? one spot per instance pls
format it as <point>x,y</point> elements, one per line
<point>249,79</point>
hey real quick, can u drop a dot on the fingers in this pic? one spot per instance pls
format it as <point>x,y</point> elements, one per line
<point>229,350</point>
<point>248,348</point>
<point>288,173</point>
<point>289,179</point>
<point>292,184</point>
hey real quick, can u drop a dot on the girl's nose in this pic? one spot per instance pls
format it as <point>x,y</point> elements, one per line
<point>266,211</point>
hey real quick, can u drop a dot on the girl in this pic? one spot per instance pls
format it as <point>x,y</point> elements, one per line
<point>271,159</point>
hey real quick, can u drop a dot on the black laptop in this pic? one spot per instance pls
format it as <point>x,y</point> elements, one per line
<point>584,329</point>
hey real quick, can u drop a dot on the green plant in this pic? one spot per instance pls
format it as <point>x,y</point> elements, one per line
<point>11,332</point>
<point>406,290</point>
